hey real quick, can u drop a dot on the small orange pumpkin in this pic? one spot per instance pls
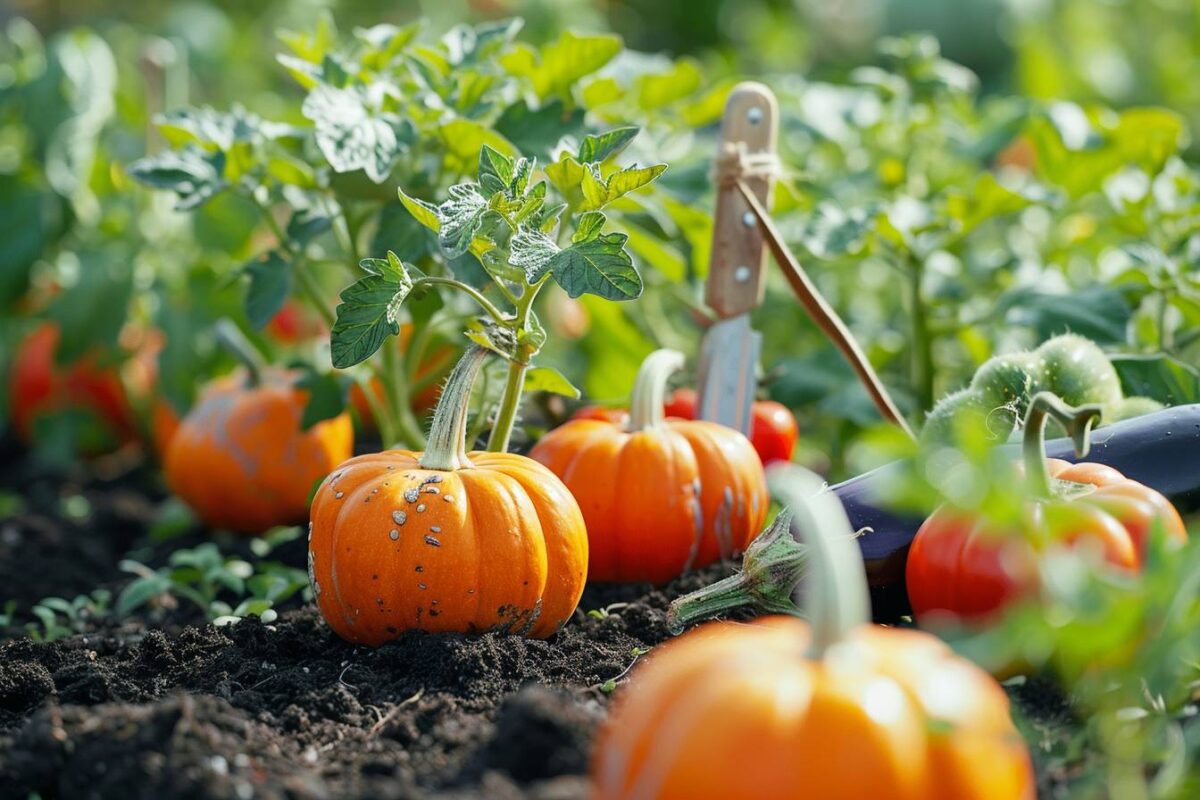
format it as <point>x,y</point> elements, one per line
<point>837,709</point>
<point>445,540</point>
<point>240,457</point>
<point>660,496</point>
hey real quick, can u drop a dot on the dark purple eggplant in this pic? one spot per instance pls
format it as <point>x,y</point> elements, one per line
<point>1161,450</point>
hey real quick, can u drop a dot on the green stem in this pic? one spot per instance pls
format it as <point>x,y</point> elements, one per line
<point>447,437</point>
<point>309,286</point>
<point>506,417</point>
<point>396,390</point>
<point>510,402</point>
<point>835,596</point>
<point>1077,422</point>
<point>772,567</point>
<point>383,418</point>
<point>232,339</point>
<point>487,305</point>
<point>922,343</point>
<point>312,290</point>
<point>650,388</point>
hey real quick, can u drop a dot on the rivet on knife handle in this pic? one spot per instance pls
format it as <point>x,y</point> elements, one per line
<point>749,129</point>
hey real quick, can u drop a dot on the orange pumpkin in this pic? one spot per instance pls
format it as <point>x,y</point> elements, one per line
<point>660,496</point>
<point>837,709</point>
<point>240,457</point>
<point>445,540</point>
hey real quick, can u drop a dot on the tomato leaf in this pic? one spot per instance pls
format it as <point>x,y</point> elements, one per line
<point>554,69</point>
<point>548,379</point>
<point>369,311</point>
<point>531,251</point>
<point>270,284</point>
<point>352,136</point>
<point>422,212</point>
<point>460,218</point>
<point>1159,377</point>
<point>596,263</point>
<point>599,147</point>
<point>326,395</point>
<point>190,173</point>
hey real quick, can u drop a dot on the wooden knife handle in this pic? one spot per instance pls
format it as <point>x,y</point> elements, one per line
<point>736,278</point>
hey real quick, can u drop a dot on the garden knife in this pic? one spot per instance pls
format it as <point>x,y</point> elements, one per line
<point>736,278</point>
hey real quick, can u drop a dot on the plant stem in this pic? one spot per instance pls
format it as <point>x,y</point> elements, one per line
<point>312,290</point>
<point>404,424</point>
<point>487,305</point>
<point>383,418</point>
<point>922,343</point>
<point>510,402</point>
<point>447,438</point>
<point>233,340</point>
<point>835,596</point>
<point>650,388</point>
<point>1077,422</point>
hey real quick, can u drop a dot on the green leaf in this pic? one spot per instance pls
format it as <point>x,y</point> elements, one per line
<point>599,192</point>
<point>422,212</point>
<point>598,265</point>
<point>326,395</point>
<point>599,147</point>
<point>588,227</point>
<point>548,379</point>
<point>400,230</point>
<point>460,218</point>
<point>270,285</point>
<point>986,199</point>
<point>495,171</point>
<point>464,138</point>
<point>554,69</point>
<point>369,311</point>
<point>92,311</point>
<point>538,132</point>
<point>658,91</point>
<point>1159,377</point>
<point>1096,311</point>
<point>307,224</point>
<point>350,135</point>
<point>208,126</point>
<point>190,173</point>
<point>531,251</point>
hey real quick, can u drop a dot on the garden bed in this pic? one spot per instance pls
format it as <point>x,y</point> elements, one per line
<point>171,707</point>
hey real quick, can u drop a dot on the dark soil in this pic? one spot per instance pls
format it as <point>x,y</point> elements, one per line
<point>154,707</point>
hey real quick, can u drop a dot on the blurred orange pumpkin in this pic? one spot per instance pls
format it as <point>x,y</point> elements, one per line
<point>835,709</point>
<point>240,458</point>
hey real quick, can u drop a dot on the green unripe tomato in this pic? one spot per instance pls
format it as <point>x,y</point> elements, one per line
<point>955,413</point>
<point>1076,369</point>
<point>1131,407</point>
<point>1006,384</point>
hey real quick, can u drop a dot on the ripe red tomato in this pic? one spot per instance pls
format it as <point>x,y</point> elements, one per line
<point>294,324</point>
<point>40,387</point>
<point>773,428</point>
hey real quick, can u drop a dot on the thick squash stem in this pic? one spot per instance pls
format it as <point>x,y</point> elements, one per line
<point>1077,422</point>
<point>447,449</point>
<point>772,567</point>
<point>835,594</point>
<point>230,337</point>
<point>650,388</point>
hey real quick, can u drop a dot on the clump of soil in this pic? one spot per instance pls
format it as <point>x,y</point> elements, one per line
<point>290,710</point>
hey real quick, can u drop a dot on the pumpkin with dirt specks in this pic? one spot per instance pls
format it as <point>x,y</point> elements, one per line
<point>241,459</point>
<point>445,540</point>
<point>660,496</point>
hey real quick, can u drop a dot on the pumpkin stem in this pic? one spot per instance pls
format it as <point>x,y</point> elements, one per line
<point>835,594</point>
<point>447,449</point>
<point>650,388</point>
<point>230,337</point>
<point>1077,422</point>
<point>772,566</point>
